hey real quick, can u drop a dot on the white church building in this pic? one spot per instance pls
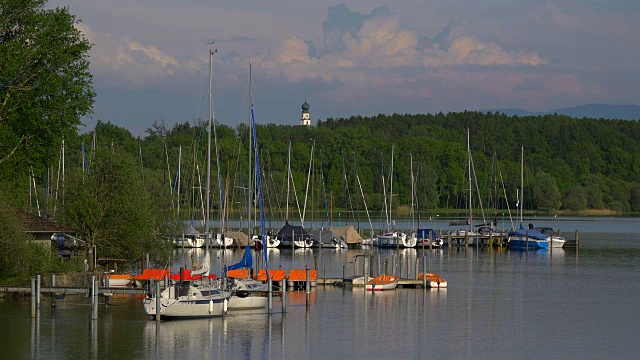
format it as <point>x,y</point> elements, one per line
<point>305,120</point>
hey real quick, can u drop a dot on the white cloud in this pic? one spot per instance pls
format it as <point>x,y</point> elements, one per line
<point>118,59</point>
<point>381,43</point>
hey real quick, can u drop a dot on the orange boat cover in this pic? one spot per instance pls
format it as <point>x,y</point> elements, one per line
<point>301,275</point>
<point>275,275</point>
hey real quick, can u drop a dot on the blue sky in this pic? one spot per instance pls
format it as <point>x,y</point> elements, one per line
<point>150,57</point>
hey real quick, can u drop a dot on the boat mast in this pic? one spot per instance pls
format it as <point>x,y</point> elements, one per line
<point>521,181</point>
<point>208,182</point>
<point>413,217</point>
<point>249,226</point>
<point>179,165</point>
<point>470,190</point>
<point>286,218</point>
<point>391,185</point>
<point>306,192</point>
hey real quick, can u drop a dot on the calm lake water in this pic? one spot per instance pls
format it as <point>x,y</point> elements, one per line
<point>500,304</point>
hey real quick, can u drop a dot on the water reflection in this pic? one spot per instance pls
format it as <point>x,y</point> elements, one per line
<point>484,311</point>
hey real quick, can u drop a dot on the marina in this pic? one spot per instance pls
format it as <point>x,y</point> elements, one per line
<point>485,308</point>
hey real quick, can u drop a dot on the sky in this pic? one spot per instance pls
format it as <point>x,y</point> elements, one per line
<point>150,58</point>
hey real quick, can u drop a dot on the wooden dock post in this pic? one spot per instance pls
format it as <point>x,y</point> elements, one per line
<point>490,238</point>
<point>33,297</point>
<point>283,296</point>
<point>430,243</point>
<point>364,272</point>
<point>38,282</point>
<point>417,267</point>
<point>307,284</point>
<point>94,298</point>
<point>325,274</point>
<point>466,239</point>
<point>424,273</point>
<point>370,265</point>
<point>527,240</point>
<point>107,284</point>
<point>344,267</point>
<point>53,294</point>
<point>355,266</point>
<point>270,294</point>
<point>577,238</point>
<point>158,294</point>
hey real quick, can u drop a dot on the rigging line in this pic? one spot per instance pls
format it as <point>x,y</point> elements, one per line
<point>475,178</point>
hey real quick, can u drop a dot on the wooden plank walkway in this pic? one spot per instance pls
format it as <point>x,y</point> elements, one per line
<point>402,283</point>
<point>15,289</point>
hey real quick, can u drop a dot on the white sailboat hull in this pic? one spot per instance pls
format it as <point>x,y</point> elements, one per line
<point>395,239</point>
<point>196,303</point>
<point>219,242</point>
<point>188,242</point>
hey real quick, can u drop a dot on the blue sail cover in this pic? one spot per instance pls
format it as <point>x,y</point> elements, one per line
<point>246,262</point>
<point>532,233</point>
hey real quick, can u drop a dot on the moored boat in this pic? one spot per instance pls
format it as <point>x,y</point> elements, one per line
<point>391,239</point>
<point>555,240</point>
<point>190,299</point>
<point>117,280</point>
<point>427,236</point>
<point>434,280</point>
<point>528,238</point>
<point>382,283</point>
<point>248,294</point>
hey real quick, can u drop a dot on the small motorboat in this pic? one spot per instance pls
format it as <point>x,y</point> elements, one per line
<point>556,240</point>
<point>434,280</point>
<point>117,280</point>
<point>382,283</point>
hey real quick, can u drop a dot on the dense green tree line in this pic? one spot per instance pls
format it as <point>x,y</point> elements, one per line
<point>569,164</point>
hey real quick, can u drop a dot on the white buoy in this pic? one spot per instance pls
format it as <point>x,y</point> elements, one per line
<point>210,306</point>
<point>224,307</point>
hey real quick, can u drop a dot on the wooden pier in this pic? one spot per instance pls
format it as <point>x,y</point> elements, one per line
<point>69,290</point>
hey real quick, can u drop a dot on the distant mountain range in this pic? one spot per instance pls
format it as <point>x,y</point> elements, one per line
<point>597,111</point>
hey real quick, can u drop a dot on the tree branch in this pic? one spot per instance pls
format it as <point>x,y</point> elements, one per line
<point>23,139</point>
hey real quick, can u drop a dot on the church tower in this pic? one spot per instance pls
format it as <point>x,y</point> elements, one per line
<point>305,120</point>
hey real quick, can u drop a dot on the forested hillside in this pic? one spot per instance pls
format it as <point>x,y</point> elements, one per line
<point>572,164</point>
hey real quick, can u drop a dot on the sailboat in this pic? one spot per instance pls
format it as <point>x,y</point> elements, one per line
<point>191,299</point>
<point>393,238</point>
<point>526,238</point>
<point>469,234</point>
<point>246,293</point>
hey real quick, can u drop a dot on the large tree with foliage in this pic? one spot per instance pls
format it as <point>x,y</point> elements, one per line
<point>546,195</point>
<point>110,207</point>
<point>45,83</point>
